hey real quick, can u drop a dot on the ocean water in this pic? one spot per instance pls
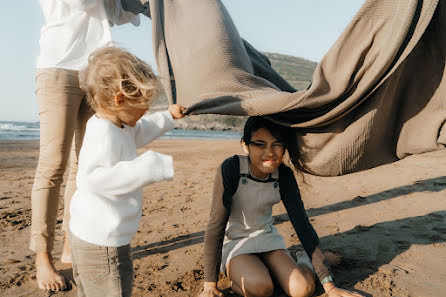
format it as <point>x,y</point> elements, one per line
<point>30,131</point>
<point>19,130</point>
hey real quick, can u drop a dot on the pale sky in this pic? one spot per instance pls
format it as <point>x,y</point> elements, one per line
<point>302,28</point>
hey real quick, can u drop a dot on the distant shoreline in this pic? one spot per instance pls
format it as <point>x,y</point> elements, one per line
<point>197,128</point>
<point>177,134</point>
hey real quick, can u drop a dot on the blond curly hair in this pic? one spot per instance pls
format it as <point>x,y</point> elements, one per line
<point>111,70</point>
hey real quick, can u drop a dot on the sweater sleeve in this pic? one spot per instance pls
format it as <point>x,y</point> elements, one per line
<point>118,15</point>
<point>225,185</point>
<point>215,231</point>
<point>291,198</point>
<point>152,126</point>
<point>81,4</point>
<point>101,171</point>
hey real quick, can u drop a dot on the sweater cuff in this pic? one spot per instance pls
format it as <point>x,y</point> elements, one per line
<point>167,162</point>
<point>167,114</point>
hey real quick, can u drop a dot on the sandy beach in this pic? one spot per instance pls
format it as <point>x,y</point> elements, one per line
<point>384,230</point>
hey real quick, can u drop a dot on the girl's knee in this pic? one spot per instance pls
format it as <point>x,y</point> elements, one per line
<point>302,288</point>
<point>259,288</point>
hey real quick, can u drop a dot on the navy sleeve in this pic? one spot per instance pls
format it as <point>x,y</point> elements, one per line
<point>225,185</point>
<point>230,171</point>
<point>291,198</point>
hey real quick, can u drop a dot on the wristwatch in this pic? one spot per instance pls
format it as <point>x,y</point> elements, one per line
<point>326,280</point>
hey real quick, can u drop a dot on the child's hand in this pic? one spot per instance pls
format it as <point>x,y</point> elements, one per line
<point>176,111</point>
<point>211,290</point>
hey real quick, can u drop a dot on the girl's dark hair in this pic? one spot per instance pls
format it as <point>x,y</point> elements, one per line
<point>255,123</point>
<point>283,134</point>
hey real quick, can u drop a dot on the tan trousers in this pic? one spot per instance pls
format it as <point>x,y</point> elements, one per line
<point>63,114</point>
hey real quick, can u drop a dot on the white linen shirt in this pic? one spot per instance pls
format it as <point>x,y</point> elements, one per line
<point>75,28</point>
<point>107,205</point>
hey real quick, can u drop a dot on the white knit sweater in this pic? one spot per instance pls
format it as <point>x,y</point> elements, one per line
<point>75,28</point>
<point>107,205</point>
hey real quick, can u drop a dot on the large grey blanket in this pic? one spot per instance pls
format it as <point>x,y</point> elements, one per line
<point>378,95</point>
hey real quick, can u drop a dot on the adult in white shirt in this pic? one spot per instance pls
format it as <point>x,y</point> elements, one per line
<point>72,30</point>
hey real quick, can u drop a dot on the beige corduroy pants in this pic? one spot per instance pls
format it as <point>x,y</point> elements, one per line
<point>63,114</point>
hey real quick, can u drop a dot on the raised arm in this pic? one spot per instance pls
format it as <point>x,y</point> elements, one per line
<point>80,4</point>
<point>152,126</point>
<point>118,15</point>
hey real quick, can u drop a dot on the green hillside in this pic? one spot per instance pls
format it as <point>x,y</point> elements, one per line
<point>297,71</point>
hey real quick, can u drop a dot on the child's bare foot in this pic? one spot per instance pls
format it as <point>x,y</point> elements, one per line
<point>48,278</point>
<point>66,253</point>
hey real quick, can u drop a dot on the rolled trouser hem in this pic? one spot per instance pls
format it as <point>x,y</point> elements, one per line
<point>40,246</point>
<point>66,227</point>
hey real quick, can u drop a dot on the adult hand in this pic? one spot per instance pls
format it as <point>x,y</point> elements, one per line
<point>338,292</point>
<point>210,290</point>
<point>176,111</point>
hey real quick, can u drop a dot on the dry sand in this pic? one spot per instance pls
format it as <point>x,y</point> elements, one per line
<point>385,228</point>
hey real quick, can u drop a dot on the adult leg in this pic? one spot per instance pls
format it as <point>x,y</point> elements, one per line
<point>59,98</point>
<point>249,276</point>
<point>84,114</point>
<point>296,280</point>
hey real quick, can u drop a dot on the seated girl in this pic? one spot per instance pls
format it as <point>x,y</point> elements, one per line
<point>240,238</point>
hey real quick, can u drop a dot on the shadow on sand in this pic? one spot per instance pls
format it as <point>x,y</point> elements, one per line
<point>429,185</point>
<point>386,240</point>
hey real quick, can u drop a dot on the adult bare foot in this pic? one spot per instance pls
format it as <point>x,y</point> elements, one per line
<point>66,253</point>
<point>48,278</point>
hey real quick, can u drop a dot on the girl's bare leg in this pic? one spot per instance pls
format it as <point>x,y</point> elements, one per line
<point>295,280</point>
<point>249,276</point>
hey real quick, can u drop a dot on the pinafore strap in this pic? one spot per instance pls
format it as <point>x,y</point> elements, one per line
<point>244,166</point>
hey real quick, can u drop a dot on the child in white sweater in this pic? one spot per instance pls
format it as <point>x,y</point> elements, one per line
<point>107,205</point>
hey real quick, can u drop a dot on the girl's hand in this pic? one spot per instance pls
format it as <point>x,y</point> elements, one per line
<point>210,290</point>
<point>338,292</point>
<point>176,111</point>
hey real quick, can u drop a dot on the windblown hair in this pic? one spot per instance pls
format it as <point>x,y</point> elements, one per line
<point>255,123</point>
<point>111,70</point>
<point>285,135</point>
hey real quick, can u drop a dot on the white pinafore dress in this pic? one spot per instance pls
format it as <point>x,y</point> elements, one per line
<point>250,227</point>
